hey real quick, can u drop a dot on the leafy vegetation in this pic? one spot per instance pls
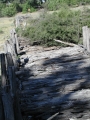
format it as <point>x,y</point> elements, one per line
<point>9,11</point>
<point>65,25</point>
<point>14,6</point>
<point>56,4</point>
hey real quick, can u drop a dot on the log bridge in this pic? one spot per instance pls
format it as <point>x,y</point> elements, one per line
<point>40,83</point>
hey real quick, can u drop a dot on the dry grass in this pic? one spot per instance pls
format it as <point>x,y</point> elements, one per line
<point>6,25</point>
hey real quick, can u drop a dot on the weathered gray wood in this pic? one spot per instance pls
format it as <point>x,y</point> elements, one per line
<point>9,59</point>
<point>3,71</point>
<point>6,98</point>
<point>88,40</point>
<point>66,43</point>
<point>19,72</point>
<point>17,44</point>
<point>17,22</point>
<point>14,92</point>
<point>12,81</point>
<point>1,109</point>
<point>85,36</point>
<point>53,116</point>
<point>5,47</point>
<point>17,110</point>
<point>8,106</point>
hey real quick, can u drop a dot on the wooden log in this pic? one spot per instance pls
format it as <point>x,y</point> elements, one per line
<point>19,72</point>
<point>53,116</point>
<point>66,43</point>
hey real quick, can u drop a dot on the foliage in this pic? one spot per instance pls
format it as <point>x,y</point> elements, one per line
<point>17,6</point>
<point>9,10</point>
<point>27,7</point>
<point>13,6</point>
<point>56,4</point>
<point>65,25</point>
<point>62,25</point>
<point>1,6</point>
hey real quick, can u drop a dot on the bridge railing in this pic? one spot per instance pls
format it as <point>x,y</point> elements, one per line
<point>9,81</point>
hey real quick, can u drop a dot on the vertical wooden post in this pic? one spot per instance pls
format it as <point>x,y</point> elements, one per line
<point>17,22</point>
<point>17,44</point>
<point>85,36</point>
<point>88,40</point>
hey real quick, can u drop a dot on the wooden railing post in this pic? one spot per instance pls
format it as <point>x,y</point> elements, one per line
<point>86,38</point>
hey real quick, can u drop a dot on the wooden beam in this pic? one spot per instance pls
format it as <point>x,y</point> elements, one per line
<point>66,43</point>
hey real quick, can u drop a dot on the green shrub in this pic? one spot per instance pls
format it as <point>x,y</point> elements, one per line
<point>65,25</point>
<point>56,4</point>
<point>26,7</point>
<point>2,5</point>
<point>62,25</point>
<point>17,6</point>
<point>9,11</point>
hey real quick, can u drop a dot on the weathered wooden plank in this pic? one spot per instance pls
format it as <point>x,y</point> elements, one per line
<point>3,71</point>
<point>66,43</point>
<point>9,59</point>
<point>12,80</point>
<point>17,44</point>
<point>17,110</point>
<point>6,98</point>
<point>14,93</point>
<point>85,36</point>
<point>1,109</point>
<point>8,106</point>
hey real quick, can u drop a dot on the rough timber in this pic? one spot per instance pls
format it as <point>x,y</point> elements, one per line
<point>55,84</point>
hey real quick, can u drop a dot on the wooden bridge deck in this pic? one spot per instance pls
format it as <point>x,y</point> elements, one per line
<point>55,83</point>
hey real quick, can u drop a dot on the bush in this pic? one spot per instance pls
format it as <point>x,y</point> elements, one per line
<point>9,11</point>
<point>56,4</point>
<point>65,25</point>
<point>27,7</point>
<point>62,25</point>
<point>17,6</point>
<point>2,6</point>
